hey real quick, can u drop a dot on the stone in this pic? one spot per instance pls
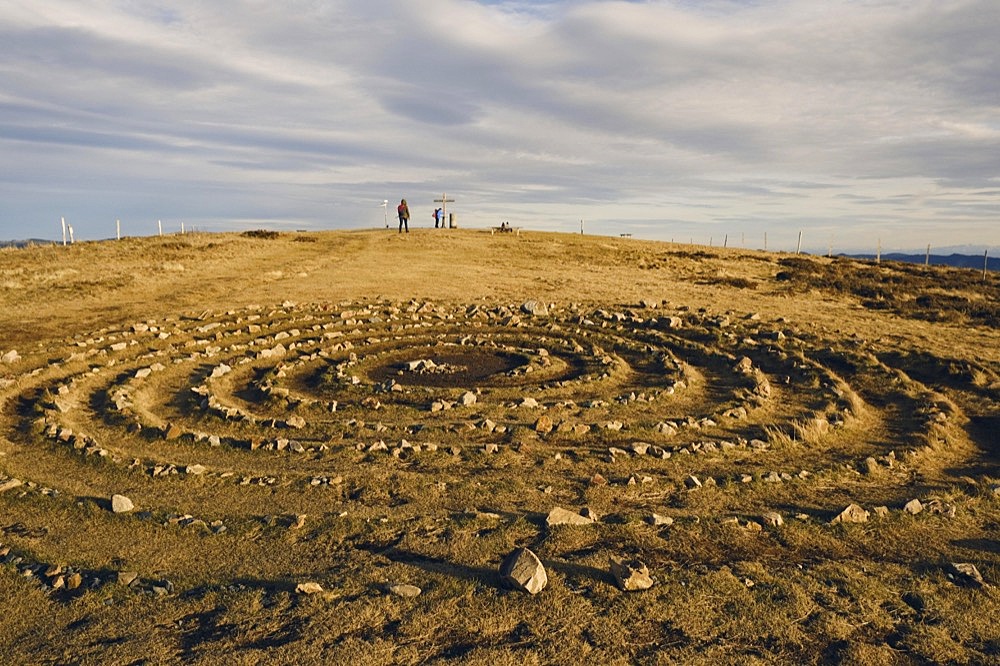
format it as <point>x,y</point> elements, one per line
<point>9,484</point>
<point>881,511</point>
<point>598,480</point>
<point>172,431</point>
<point>852,514</point>
<point>913,507</point>
<point>308,588</point>
<point>544,424</point>
<point>967,573</point>
<point>871,466</point>
<point>522,570</point>
<point>631,575</point>
<point>10,357</point>
<point>468,398</point>
<point>590,513</point>
<point>744,366</point>
<point>639,448</point>
<point>296,422</point>
<point>126,577</point>
<point>121,504</point>
<point>657,520</point>
<point>406,591</point>
<point>773,519</point>
<point>560,516</point>
<point>196,470</point>
<point>73,581</point>
<point>692,482</point>
<point>535,308</point>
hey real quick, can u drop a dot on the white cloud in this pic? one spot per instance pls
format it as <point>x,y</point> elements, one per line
<point>668,118</point>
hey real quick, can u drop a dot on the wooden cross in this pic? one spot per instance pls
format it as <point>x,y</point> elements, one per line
<point>444,201</point>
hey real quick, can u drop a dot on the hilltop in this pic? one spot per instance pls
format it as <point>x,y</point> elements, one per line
<point>320,447</point>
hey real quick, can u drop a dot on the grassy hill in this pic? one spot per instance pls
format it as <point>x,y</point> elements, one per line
<point>304,422</point>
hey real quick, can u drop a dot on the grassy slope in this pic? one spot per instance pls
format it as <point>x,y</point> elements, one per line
<point>807,592</point>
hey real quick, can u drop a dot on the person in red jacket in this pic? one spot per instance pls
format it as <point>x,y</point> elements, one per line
<point>404,216</point>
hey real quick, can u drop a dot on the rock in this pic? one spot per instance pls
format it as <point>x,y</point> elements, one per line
<point>871,466</point>
<point>172,431</point>
<point>121,504</point>
<point>657,520</point>
<point>744,366</point>
<point>852,514</point>
<point>308,588</point>
<point>126,577</point>
<point>598,480</point>
<point>196,470</point>
<point>881,511</point>
<point>631,575</point>
<point>407,591</point>
<point>468,398</point>
<point>773,518</point>
<point>967,574</point>
<point>296,422</point>
<point>544,424</point>
<point>534,308</point>
<point>522,570</point>
<point>10,357</point>
<point>587,512</point>
<point>692,482</point>
<point>560,516</point>
<point>913,507</point>
<point>75,580</point>
<point>640,448</point>
<point>9,484</point>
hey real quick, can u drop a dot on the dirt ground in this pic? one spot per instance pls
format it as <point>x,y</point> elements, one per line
<point>305,422</point>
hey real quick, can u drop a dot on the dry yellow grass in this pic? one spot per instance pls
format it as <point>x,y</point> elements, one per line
<point>252,396</point>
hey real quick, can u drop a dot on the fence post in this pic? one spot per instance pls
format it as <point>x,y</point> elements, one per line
<point>118,229</point>
<point>878,255</point>
<point>927,257</point>
<point>798,246</point>
<point>63,220</point>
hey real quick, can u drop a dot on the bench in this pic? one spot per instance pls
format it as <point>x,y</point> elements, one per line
<point>503,230</point>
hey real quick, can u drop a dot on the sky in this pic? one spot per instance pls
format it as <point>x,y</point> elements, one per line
<point>849,123</point>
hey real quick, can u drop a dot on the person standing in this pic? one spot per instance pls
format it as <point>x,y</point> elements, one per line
<point>437,217</point>
<point>404,216</point>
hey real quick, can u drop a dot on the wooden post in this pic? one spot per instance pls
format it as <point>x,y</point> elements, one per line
<point>927,257</point>
<point>159,227</point>
<point>798,246</point>
<point>71,239</point>
<point>725,241</point>
<point>878,254</point>
<point>182,228</point>
<point>581,227</point>
<point>63,220</point>
<point>118,229</point>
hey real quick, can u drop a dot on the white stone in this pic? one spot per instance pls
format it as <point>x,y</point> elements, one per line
<point>524,571</point>
<point>121,504</point>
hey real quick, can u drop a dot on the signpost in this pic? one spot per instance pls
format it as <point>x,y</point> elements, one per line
<point>444,201</point>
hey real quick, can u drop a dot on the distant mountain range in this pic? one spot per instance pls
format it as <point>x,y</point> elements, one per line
<point>26,243</point>
<point>953,260</point>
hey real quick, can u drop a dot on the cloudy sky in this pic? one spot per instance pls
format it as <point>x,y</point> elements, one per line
<point>851,121</point>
